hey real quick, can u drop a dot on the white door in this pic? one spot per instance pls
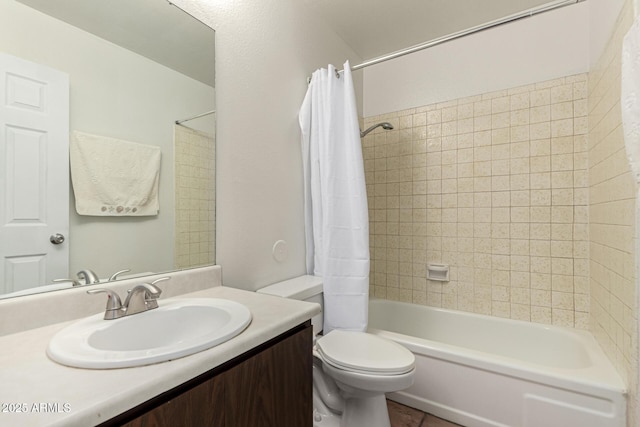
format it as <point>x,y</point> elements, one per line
<point>34,174</point>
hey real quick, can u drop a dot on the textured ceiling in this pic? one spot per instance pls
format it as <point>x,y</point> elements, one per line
<point>374,28</point>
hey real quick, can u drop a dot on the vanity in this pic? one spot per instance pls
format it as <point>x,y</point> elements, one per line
<point>113,88</point>
<point>260,377</point>
<point>270,385</point>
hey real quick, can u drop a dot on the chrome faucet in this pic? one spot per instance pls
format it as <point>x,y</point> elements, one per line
<point>88,276</point>
<point>141,298</point>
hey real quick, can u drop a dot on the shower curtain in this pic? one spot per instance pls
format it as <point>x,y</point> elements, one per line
<point>336,216</point>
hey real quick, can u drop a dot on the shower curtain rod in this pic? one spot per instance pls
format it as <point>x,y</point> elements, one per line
<point>195,117</point>
<point>492,24</point>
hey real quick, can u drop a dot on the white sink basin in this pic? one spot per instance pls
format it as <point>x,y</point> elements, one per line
<point>179,327</point>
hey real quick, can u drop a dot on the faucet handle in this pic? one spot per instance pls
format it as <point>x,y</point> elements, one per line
<point>151,294</point>
<point>74,282</point>
<point>115,275</point>
<point>162,279</point>
<point>155,294</point>
<point>151,290</point>
<point>114,304</point>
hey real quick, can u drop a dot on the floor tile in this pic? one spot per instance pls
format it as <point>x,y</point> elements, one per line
<point>433,421</point>
<point>404,416</point>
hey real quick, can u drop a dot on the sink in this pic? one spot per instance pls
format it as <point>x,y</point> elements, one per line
<point>179,327</point>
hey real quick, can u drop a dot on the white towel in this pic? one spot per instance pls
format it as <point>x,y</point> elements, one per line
<point>630,96</point>
<point>112,177</point>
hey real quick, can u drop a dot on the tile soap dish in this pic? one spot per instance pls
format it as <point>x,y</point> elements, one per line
<point>438,272</point>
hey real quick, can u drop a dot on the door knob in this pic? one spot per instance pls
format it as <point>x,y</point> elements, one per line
<point>56,239</point>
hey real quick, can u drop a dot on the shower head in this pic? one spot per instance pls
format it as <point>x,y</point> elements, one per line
<point>384,125</point>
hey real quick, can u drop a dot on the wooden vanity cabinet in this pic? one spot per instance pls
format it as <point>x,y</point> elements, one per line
<point>269,386</point>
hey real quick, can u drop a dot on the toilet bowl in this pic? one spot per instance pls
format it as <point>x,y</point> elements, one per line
<point>352,370</point>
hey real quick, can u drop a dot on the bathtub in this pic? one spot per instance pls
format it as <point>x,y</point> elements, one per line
<point>478,370</point>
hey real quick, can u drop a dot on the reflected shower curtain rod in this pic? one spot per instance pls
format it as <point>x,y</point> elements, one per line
<point>195,117</point>
<point>492,24</point>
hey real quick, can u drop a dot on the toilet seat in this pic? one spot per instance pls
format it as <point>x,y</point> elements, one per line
<point>364,353</point>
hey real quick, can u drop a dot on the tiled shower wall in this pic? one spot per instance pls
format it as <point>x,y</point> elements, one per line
<point>612,194</point>
<point>495,186</point>
<point>194,197</point>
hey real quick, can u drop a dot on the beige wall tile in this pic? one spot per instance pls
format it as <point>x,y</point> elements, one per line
<point>526,193</point>
<point>611,195</point>
<point>497,173</point>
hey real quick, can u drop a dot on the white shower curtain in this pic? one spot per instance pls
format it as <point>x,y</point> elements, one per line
<point>336,217</point>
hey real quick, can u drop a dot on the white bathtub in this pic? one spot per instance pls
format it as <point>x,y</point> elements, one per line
<point>479,370</point>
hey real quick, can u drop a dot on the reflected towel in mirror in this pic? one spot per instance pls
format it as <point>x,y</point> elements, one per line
<point>112,177</point>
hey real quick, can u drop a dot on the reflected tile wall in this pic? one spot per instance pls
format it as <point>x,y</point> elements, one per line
<point>195,197</point>
<point>493,185</point>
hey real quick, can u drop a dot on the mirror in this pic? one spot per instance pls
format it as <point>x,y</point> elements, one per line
<point>134,69</point>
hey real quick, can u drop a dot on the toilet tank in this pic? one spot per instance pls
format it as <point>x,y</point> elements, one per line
<point>303,288</point>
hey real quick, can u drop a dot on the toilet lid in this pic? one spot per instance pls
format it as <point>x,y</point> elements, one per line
<point>363,352</point>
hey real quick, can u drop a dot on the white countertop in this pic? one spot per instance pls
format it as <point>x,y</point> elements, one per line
<point>83,397</point>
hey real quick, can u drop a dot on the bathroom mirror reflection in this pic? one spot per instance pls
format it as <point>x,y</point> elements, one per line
<point>133,70</point>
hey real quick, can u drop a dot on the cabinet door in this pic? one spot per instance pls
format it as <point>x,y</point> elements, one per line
<point>274,387</point>
<point>201,406</point>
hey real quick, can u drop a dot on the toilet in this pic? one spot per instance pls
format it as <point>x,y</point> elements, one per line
<point>352,371</point>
